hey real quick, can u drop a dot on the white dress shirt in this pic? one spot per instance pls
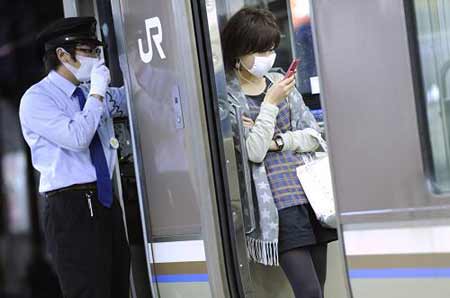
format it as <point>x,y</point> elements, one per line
<point>59,133</point>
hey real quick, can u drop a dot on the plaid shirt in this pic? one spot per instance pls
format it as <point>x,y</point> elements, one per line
<point>281,166</point>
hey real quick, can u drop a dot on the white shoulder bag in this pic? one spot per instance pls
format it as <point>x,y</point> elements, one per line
<point>315,177</point>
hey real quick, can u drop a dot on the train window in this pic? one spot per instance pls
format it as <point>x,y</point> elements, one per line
<point>303,49</point>
<point>432,18</point>
<point>303,46</point>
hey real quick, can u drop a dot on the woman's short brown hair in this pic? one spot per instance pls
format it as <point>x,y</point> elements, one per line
<point>250,30</point>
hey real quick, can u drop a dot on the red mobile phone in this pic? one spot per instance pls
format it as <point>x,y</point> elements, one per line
<point>292,68</point>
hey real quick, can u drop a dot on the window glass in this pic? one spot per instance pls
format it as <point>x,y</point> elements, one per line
<point>433,29</point>
<point>304,47</point>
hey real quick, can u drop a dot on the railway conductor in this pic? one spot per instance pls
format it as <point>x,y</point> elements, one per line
<point>67,122</point>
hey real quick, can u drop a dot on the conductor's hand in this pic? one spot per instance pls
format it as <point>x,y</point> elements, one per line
<point>100,79</point>
<point>279,91</point>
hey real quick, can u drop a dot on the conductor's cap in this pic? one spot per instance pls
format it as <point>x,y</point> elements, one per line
<point>68,31</point>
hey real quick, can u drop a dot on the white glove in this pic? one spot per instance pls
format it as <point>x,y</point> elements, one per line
<point>100,79</point>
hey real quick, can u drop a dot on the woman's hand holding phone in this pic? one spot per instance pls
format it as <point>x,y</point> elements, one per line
<point>279,91</point>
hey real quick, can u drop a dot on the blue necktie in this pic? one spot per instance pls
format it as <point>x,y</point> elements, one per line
<point>104,184</point>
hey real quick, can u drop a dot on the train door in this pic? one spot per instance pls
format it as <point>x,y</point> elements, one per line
<point>259,280</point>
<point>383,68</point>
<point>176,165</point>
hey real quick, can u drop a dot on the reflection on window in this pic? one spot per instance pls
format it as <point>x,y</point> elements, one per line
<point>433,27</point>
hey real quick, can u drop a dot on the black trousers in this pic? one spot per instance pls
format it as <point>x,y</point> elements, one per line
<point>89,251</point>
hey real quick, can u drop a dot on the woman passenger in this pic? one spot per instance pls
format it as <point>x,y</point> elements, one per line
<point>271,123</point>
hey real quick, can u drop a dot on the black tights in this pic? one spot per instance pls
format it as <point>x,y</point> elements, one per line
<point>306,270</point>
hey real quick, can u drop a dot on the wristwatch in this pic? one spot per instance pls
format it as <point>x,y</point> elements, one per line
<point>279,141</point>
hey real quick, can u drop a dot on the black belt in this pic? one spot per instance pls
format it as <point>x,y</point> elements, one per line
<point>75,187</point>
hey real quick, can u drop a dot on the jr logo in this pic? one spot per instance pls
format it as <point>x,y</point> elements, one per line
<point>152,23</point>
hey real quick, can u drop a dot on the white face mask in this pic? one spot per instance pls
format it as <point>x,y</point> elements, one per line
<point>262,65</point>
<point>83,73</point>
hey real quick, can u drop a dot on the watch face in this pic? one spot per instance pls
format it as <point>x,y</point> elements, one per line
<point>279,142</point>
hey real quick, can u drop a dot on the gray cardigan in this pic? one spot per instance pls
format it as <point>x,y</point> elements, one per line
<point>262,241</point>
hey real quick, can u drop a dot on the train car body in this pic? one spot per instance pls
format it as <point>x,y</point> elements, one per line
<point>381,79</point>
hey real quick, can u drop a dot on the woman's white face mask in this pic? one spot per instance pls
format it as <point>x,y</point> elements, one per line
<point>261,65</point>
<point>83,73</point>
